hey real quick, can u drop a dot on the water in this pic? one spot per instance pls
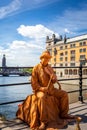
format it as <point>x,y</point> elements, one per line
<point>12,93</point>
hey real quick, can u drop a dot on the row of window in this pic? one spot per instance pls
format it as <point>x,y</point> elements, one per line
<point>72,58</point>
<point>66,59</point>
<point>72,52</point>
<point>66,64</point>
<point>74,72</point>
<point>73,45</point>
<point>82,50</point>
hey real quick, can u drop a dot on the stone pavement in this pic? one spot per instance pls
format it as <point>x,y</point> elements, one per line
<point>75,109</point>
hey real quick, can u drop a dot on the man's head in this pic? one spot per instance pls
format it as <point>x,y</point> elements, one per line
<point>45,57</point>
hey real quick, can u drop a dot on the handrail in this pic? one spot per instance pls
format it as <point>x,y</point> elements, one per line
<point>80,83</point>
<point>16,101</point>
<point>12,67</point>
<point>11,102</point>
<point>5,85</point>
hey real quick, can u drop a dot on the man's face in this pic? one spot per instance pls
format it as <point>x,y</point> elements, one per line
<point>45,61</point>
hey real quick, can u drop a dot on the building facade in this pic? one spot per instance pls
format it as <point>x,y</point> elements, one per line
<point>68,52</point>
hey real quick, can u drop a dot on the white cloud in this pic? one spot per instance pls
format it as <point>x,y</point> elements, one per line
<point>26,53</point>
<point>17,6</point>
<point>67,31</point>
<point>33,4</point>
<point>21,53</point>
<point>71,21</point>
<point>10,8</point>
<point>36,32</point>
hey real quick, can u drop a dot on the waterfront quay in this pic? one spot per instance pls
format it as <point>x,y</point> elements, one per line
<point>76,108</point>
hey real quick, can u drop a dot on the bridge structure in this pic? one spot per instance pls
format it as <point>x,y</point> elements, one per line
<point>20,71</point>
<point>7,71</point>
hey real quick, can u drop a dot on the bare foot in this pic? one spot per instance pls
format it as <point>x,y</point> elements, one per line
<point>42,126</point>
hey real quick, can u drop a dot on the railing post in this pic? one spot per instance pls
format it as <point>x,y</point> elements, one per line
<point>80,83</point>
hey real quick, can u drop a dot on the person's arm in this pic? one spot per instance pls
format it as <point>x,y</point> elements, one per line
<point>54,77</point>
<point>49,70</point>
<point>35,81</point>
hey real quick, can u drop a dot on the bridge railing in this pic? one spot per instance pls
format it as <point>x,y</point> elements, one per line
<point>21,71</point>
<point>80,78</point>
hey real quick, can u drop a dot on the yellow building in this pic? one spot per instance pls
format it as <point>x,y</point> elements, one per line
<point>68,52</point>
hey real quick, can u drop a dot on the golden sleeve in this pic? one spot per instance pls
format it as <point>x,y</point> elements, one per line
<point>54,78</point>
<point>34,79</point>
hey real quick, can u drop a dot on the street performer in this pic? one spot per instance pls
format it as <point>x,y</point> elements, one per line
<point>48,106</point>
<point>40,78</point>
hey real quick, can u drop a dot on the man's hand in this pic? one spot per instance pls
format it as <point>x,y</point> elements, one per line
<point>43,89</point>
<point>54,78</point>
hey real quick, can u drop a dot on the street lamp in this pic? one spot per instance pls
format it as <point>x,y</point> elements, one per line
<point>82,62</point>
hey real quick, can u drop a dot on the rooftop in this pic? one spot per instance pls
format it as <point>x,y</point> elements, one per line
<point>68,40</point>
<point>77,108</point>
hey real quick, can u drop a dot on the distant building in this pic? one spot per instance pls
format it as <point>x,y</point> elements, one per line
<point>68,52</point>
<point>4,61</point>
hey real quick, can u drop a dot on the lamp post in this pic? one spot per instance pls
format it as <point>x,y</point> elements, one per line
<point>80,79</point>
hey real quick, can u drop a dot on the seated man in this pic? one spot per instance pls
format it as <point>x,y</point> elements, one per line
<point>40,80</point>
<point>52,103</point>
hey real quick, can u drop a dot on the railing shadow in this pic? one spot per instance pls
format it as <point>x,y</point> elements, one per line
<point>18,124</point>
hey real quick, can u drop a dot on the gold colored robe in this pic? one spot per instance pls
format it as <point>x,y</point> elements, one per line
<point>40,79</point>
<point>40,107</point>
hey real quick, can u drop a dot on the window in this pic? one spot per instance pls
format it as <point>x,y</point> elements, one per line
<point>54,59</point>
<point>75,71</point>
<point>55,51</point>
<point>61,47</point>
<point>72,52</point>
<point>73,58</point>
<point>70,71</point>
<point>82,50</point>
<point>61,54</point>
<point>66,47</point>
<point>61,58</point>
<point>72,64</point>
<point>66,58</point>
<point>82,57</point>
<point>61,65</point>
<point>66,64</point>
<point>66,71</point>
<point>85,71</point>
<point>82,43</point>
<point>83,63</point>
<point>72,45</point>
<point>66,52</point>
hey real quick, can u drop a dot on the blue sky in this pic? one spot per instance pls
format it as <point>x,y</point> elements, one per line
<point>24,25</point>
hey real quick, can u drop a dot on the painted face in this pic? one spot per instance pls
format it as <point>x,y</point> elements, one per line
<point>45,61</point>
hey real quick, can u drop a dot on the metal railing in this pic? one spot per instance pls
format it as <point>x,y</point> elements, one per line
<point>80,98</point>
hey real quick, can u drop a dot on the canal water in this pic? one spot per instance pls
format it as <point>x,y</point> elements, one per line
<point>12,93</point>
